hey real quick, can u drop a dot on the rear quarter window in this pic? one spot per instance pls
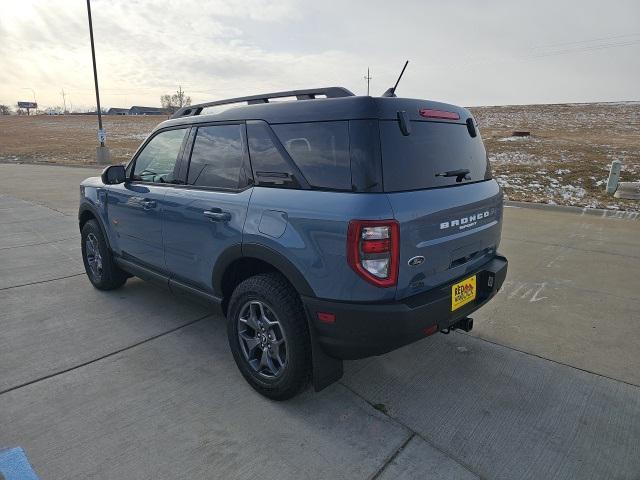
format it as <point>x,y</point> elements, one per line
<point>217,157</point>
<point>320,150</point>
<point>270,167</point>
<point>411,162</point>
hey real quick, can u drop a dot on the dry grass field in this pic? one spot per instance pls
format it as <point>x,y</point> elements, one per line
<point>70,139</point>
<point>565,160</point>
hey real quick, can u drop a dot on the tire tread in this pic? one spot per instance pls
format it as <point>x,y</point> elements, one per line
<point>283,297</point>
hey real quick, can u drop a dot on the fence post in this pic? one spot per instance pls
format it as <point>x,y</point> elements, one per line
<point>614,176</point>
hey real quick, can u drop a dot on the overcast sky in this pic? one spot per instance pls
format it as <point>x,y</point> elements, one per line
<point>468,52</point>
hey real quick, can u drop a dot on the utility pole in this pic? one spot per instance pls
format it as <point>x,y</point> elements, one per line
<point>368,78</point>
<point>64,101</point>
<point>102,152</point>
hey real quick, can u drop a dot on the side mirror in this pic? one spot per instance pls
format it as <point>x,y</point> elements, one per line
<point>113,175</point>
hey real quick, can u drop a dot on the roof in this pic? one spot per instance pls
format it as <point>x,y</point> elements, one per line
<point>351,107</point>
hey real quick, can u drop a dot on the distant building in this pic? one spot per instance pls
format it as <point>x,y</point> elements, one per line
<point>136,110</point>
<point>118,111</point>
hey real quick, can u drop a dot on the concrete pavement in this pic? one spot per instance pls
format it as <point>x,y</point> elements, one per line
<point>137,384</point>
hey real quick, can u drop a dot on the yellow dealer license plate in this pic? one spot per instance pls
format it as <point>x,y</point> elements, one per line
<point>463,292</point>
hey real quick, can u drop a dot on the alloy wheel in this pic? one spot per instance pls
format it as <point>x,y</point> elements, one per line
<point>94,258</point>
<point>262,339</point>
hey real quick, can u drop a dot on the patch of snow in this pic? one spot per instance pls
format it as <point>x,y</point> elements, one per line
<point>514,139</point>
<point>516,158</point>
<point>571,192</point>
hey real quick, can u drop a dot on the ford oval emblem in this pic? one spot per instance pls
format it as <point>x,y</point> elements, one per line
<point>415,261</point>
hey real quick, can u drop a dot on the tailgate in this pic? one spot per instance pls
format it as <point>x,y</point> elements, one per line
<point>455,229</point>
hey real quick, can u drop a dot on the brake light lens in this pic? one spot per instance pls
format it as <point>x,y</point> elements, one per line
<point>373,250</point>
<point>442,114</point>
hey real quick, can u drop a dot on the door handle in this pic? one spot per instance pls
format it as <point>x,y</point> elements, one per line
<point>147,204</point>
<point>217,215</point>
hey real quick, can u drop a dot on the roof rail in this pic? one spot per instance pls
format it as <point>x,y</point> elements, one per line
<point>308,94</point>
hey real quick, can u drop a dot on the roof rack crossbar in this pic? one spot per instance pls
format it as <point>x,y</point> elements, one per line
<point>308,94</point>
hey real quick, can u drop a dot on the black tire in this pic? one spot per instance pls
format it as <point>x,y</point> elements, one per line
<point>282,304</point>
<point>108,276</point>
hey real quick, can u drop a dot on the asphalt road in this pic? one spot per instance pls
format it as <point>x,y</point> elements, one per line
<point>137,384</point>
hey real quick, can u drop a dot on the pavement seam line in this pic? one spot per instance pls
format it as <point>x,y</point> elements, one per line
<point>42,281</point>
<point>31,220</point>
<point>111,354</point>
<point>41,243</point>
<point>557,362</point>
<point>393,456</point>
<point>42,205</point>
<point>416,434</point>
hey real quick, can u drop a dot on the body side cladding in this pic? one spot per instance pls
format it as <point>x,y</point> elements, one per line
<point>226,258</point>
<point>286,267</point>
<point>266,254</point>
<point>88,207</point>
<point>176,287</point>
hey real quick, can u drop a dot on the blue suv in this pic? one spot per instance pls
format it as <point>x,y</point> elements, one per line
<point>327,227</point>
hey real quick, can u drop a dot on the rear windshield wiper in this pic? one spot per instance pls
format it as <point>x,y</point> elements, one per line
<point>460,174</point>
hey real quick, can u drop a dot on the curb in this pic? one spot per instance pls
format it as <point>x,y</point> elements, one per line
<point>596,212</point>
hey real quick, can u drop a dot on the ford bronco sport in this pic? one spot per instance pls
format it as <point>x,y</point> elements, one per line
<point>329,227</point>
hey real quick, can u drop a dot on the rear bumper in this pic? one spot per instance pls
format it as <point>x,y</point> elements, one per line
<point>362,330</point>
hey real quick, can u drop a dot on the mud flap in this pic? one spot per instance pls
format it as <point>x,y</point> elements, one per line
<point>326,369</point>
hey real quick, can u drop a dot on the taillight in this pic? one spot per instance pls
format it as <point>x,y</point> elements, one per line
<point>373,249</point>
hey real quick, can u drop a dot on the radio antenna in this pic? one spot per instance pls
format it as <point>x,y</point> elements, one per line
<point>391,92</point>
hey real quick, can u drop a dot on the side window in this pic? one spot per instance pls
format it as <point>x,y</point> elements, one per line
<point>156,162</point>
<point>320,150</point>
<point>269,166</point>
<point>217,157</point>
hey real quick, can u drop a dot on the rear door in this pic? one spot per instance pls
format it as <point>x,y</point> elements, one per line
<point>206,216</point>
<point>449,209</point>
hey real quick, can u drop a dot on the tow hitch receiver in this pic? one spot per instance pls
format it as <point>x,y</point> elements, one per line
<point>465,324</point>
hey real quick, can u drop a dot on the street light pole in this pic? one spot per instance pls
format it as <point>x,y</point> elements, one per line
<point>102,151</point>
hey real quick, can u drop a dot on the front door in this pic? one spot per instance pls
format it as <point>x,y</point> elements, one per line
<point>135,207</point>
<point>206,216</point>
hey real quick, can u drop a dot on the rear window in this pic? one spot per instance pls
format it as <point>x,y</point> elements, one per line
<point>411,162</point>
<point>320,150</point>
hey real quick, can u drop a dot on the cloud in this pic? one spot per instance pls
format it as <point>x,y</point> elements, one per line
<point>466,52</point>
